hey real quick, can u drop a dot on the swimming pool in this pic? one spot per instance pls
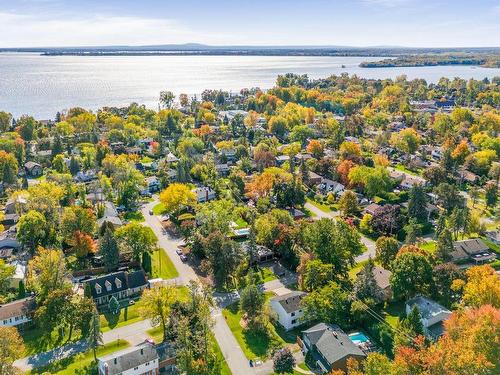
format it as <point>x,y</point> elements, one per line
<point>358,338</point>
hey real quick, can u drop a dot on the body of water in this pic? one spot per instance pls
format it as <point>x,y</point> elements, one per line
<point>42,85</point>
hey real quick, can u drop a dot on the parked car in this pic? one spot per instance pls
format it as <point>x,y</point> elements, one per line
<point>183,258</point>
<point>179,251</point>
<point>151,212</point>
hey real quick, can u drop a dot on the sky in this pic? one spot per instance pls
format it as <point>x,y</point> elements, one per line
<point>410,23</point>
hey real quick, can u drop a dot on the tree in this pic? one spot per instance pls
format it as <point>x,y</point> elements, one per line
<point>316,274</point>
<point>51,311</point>
<point>136,239</point>
<point>329,304</point>
<point>283,361</point>
<point>5,121</point>
<point>481,287</point>
<point>114,306</point>
<point>75,219</point>
<point>417,204</point>
<point>348,203</point>
<point>448,196</point>
<point>74,165</point>
<point>334,242</point>
<point>8,168</point>
<point>108,249</point>
<point>444,275</point>
<point>366,287</point>
<point>444,245</point>
<point>315,148</point>
<point>223,257</point>
<point>386,249</point>
<point>32,230</point>
<point>177,196</point>
<point>387,219</point>
<point>82,245</point>
<point>156,304</point>
<point>412,230</point>
<point>94,338</point>
<point>411,275</point>
<point>252,302</point>
<point>6,272</point>
<point>47,272</point>
<point>491,195</point>
<point>167,98</point>
<point>407,140</point>
<point>11,347</point>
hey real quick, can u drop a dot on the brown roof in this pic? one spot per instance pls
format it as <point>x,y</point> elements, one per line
<point>381,276</point>
<point>17,308</point>
<point>471,246</point>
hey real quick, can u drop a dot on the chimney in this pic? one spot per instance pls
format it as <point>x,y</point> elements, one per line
<point>206,194</point>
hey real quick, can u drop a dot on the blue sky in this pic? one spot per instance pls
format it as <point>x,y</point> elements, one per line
<point>413,23</point>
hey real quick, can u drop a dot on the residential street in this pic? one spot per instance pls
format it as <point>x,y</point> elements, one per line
<point>370,244</point>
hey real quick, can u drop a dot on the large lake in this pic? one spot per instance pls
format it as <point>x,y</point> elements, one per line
<point>42,85</point>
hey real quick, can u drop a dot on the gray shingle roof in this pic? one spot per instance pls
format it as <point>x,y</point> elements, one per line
<point>332,342</point>
<point>290,301</point>
<point>129,358</point>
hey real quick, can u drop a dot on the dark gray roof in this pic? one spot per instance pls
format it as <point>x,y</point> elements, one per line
<point>128,281</point>
<point>427,307</point>
<point>471,246</point>
<point>129,358</point>
<point>332,342</point>
<point>290,301</point>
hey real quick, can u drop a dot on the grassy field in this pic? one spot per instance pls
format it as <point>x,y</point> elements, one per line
<point>254,345</point>
<point>356,269</point>
<point>393,311</point>
<point>428,246</point>
<point>267,274</point>
<point>81,363</point>
<point>158,209</point>
<point>162,266</point>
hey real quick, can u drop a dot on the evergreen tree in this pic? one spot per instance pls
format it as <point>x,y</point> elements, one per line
<point>74,166</point>
<point>57,148</point>
<point>412,230</point>
<point>108,249</point>
<point>114,305</point>
<point>417,204</point>
<point>444,245</point>
<point>94,339</point>
<point>304,172</point>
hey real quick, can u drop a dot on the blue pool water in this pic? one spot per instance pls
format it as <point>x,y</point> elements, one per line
<point>358,337</point>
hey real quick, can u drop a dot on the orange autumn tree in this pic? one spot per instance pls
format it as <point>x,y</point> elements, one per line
<point>480,288</point>
<point>315,148</point>
<point>262,184</point>
<point>82,244</point>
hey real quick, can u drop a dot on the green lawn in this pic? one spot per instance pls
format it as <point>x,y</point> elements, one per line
<point>402,168</point>
<point>162,266</point>
<point>158,209</point>
<point>134,216</point>
<point>428,246</point>
<point>356,269</point>
<point>81,363</point>
<point>240,223</point>
<point>38,341</point>
<point>393,311</point>
<point>254,345</point>
<point>267,274</point>
<point>493,246</point>
<point>323,207</point>
<point>128,315</point>
<point>225,368</point>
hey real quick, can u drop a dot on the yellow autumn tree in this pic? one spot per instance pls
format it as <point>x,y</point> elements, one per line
<point>177,196</point>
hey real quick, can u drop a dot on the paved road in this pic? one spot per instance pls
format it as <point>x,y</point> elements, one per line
<point>370,244</point>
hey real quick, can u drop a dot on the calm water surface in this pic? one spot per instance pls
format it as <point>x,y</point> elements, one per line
<point>42,85</point>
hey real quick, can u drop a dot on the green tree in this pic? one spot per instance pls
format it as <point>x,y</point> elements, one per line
<point>108,249</point>
<point>114,306</point>
<point>156,304</point>
<point>136,239</point>
<point>491,195</point>
<point>76,218</point>
<point>386,249</point>
<point>11,347</point>
<point>316,274</point>
<point>5,121</point>
<point>444,245</point>
<point>411,275</point>
<point>252,302</point>
<point>32,230</point>
<point>94,338</point>
<point>348,203</point>
<point>6,272</point>
<point>366,287</point>
<point>417,204</point>
<point>329,304</point>
<point>283,361</point>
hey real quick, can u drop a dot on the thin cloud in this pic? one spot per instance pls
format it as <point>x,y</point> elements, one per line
<point>20,30</point>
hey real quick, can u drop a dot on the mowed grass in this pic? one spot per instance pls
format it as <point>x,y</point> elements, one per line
<point>254,345</point>
<point>159,209</point>
<point>80,363</point>
<point>37,340</point>
<point>136,216</point>
<point>321,206</point>
<point>162,266</point>
<point>128,315</point>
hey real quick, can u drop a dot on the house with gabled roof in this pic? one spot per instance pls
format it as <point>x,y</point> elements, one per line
<point>288,308</point>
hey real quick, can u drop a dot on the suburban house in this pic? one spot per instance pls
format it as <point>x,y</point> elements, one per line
<point>17,313</point>
<point>330,347</point>
<point>137,360</point>
<point>432,315</point>
<point>493,236</point>
<point>472,250</point>
<point>121,285</point>
<point>371,208</point>
<point>86,177</point>
<point>288,308</point>
<point>110,215</point>
<point>153,184</point>
<point>382,279</point>
<point>8,241</point>
<point>204,194</point>
<point>33,169</point>
<point>327,186</point>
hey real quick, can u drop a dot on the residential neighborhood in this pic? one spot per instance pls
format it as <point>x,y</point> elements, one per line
<point>323,226</point>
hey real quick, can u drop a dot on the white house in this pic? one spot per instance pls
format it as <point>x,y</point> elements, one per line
<point>288,308</point>
<point>17,312</point>
<point>432,315</point>
<point>204,194</point>
<point>137,360</point>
